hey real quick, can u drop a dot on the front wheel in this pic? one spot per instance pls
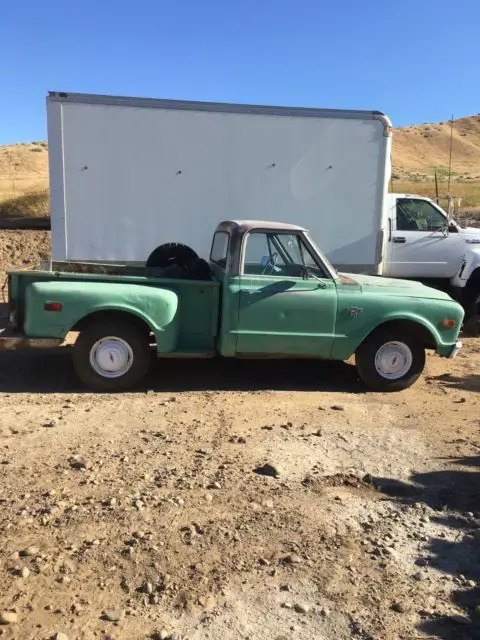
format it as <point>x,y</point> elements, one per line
<point>111,356</point>
<point>471,324</point>
<point>388,361</point>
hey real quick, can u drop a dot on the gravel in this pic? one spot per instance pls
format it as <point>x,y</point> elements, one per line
<point>8,617</point>
<point>114,615</point>
<point>269,469</point>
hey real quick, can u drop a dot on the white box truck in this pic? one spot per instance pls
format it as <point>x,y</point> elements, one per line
<point>129,174</point>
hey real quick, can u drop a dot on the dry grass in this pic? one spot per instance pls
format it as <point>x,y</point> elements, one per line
<point>30,205</point>
<point>23,170</point>
<point>21,187</point>
<point>469,192</point>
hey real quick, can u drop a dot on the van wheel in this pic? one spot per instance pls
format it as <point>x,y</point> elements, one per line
<point>471,324</point>
<point>111,356</point>
<point>389,361</point>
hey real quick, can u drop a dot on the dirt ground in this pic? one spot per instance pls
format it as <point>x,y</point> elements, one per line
<point>142,515</point>
<point>22,249</point>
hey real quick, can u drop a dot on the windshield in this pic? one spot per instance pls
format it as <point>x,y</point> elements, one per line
<point>282,254</point>
<point>321,255</point>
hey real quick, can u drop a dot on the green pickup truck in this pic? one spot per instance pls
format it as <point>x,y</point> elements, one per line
<point>266,292</point>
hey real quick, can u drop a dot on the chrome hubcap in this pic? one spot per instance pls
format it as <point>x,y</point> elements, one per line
<point>111,357</point>
<point>393,360</point>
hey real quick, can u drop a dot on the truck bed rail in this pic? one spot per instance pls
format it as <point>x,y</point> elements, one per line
<point>108,269</point>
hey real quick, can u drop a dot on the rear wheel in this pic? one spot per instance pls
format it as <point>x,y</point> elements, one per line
<point>390,361</point>
<point>111,356</point>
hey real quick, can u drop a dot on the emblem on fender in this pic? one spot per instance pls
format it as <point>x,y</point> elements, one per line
<point>355,312</point>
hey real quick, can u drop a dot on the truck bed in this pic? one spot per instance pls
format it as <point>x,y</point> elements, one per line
<point>199,299</point>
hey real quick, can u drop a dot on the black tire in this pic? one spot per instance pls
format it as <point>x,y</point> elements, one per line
<point>129,334</point>
<point>172,253</point>
<point>199,270</point>
<point>368,350</point>
<point>471,324</point>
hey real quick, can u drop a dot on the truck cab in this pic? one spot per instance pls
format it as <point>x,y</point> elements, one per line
<point>272,274</point>
<point>268,292</point>
<point>424,244</point>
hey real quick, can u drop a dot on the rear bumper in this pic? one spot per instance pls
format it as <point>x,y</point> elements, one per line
<point>449,350</point>
<point>455,349</point>
<point>11,340</point>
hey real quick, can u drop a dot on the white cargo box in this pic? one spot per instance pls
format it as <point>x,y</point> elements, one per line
<point>129,174</point>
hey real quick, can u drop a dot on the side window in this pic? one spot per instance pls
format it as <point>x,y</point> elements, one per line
<point>219,251</point>
<point>418,215</point>
<point>280,255</point>
<point>261,256</point>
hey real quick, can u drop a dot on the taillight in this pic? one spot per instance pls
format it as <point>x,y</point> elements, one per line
<point>449,323</point>
<point>52,306</point>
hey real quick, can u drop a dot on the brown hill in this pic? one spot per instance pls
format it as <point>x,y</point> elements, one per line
<point>421,149</point>
<point>23,168</point>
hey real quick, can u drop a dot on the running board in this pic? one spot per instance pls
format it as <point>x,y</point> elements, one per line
<point>11,340</point>
<point>186,355</point>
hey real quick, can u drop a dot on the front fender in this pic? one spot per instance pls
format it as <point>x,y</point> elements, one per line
<point>443,340</point>
<point>470,263</point>
<point>419,320</point>
<point>158,308</point>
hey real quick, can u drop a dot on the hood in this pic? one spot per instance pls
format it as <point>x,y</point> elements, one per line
<point>472,236</point>
<point>392,286</point>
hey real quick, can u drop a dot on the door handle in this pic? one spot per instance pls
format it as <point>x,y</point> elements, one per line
<point>399,239</point>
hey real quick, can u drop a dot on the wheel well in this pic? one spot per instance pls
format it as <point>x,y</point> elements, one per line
<point>473,286</point>
<point>474,276</point>
<point>421,333</point>
<point>111,316</point>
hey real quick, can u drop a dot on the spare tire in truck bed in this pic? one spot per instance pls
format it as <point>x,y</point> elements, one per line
<point>199,270</point>
<point>172,253</point>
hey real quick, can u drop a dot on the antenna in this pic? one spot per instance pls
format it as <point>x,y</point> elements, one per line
<point>450,168</point>
<point>450,160</point>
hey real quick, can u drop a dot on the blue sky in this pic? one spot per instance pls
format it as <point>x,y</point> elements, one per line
<point>416,60</point>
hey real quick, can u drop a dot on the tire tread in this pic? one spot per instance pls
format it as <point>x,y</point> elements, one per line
<point>129,332</point>
<point>365,361</point>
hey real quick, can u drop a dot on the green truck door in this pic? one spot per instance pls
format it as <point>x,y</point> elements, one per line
<point>281,312</point>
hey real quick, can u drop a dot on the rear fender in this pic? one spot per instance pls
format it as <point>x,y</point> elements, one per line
<point>157,308</point>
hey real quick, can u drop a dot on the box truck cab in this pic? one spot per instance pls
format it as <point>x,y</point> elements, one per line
<point>424,244</point>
